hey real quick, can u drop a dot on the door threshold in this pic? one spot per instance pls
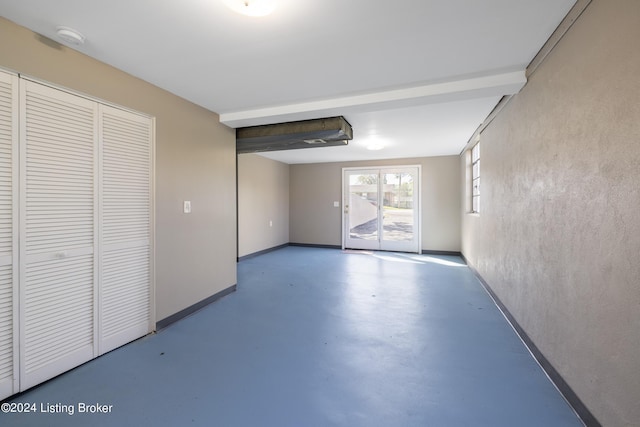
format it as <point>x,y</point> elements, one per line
<point>357,251</point>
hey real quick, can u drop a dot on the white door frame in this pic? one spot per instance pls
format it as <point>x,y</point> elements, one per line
<point>417,202</point>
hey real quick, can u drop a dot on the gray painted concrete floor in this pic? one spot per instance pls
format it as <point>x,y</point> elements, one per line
<point>317,337</point>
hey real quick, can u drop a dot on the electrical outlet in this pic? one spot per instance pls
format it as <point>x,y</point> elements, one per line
<point>336,204</point>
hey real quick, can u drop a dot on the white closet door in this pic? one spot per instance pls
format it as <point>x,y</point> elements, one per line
<point>8,230</point>
<point>58,161</point>
<point>126,228</point>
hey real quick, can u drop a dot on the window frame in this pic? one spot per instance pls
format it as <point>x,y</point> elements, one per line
<point>475,178</point>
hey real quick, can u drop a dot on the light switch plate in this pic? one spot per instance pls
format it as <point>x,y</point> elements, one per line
<point>186,207</point>
<point>336,204</point>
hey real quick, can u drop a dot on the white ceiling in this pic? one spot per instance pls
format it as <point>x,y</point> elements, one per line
<point>418,75</point>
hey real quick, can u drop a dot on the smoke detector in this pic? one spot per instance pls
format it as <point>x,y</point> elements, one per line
<point>70,35</point>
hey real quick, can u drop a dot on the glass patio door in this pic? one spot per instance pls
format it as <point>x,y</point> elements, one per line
<point>381,209</point>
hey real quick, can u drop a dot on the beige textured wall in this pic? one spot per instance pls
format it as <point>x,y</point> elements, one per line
<point>314,188</point>
<point>263,198</point>
<point>195,160</point>
<point>558,235</point>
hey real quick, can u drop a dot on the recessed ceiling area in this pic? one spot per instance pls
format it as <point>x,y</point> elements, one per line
<point>422,131</point>
<point>417,76</point>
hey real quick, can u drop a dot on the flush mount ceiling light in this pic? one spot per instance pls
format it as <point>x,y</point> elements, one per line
<point>375,146</point>
<point>70,35</point>
<point>374,143</point>
<point>252,7</point>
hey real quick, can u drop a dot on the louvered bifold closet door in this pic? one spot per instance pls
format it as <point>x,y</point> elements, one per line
<point>126,227</point>
<point>58,161</point>
<point>8,230</point>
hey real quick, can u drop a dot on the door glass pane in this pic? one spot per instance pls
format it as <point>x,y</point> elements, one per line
<point>363,206</point>
<point>397,222</point>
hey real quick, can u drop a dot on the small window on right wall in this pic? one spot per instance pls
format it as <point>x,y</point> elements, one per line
<point>475,178</point>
